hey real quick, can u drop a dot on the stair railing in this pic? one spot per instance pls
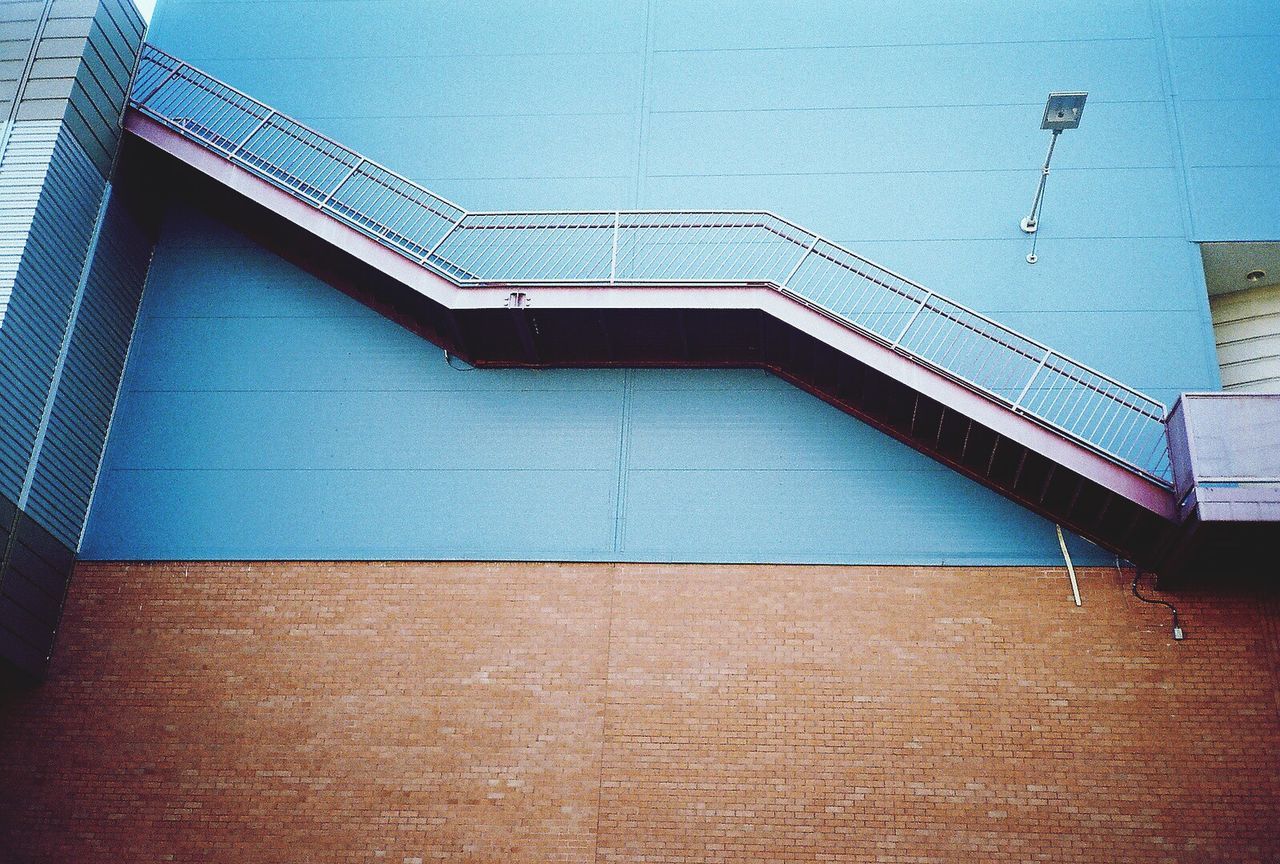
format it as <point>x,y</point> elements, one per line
<point>636,248</point>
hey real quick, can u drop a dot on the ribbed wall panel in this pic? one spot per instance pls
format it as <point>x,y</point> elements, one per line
<point>17,28</point>
<point>39,308</point>
<point>81,70</point>
<point>21,179</point>
<point>33,581</point>
<point>22,176</point>
<point>114,35</point>
<point>77,427</point>
<point>1246,325</point>
<point>65,323</point>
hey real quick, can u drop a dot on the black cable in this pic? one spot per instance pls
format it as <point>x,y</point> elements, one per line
<point>448,358</point>
<point>1137,574</point>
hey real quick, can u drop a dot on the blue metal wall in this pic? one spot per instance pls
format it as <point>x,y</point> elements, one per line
<point>265,415</point>
<point>1226,62</point>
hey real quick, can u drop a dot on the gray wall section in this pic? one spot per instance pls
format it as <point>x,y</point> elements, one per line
<point>22,176</point>
<point>82,71</point>
<point>71,273</point>
<point>69,431</point>
<point>102,81</point>
<point>39,310</point>
<point>18,26</point>
<point>81,412</point>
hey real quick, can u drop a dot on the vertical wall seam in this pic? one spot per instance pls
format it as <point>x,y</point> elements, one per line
<point>624,458</point>
<point>642,144</point>
<point>68,331</point>
<point>1173,119</point>
<point>642,120</point>
<point>1173,124</point>
<point>6,552</point>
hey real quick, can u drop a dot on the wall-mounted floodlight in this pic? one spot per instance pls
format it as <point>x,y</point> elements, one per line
<point>1062,111</point>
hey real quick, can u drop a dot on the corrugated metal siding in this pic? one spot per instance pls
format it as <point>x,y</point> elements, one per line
<point>33,580</point>
<point>64,324</point>
<point>39,309</point>
<point>54,70</point>
<point>40,303</point>
<point>22,173</point>
<point>81,414</point>
<point>97,99</point>
<point>18,25</point>
<point>78,419</point>
<point>22,165</point>
<point>52,179</point>
<point>1247,327</point>
<point>81,72</point>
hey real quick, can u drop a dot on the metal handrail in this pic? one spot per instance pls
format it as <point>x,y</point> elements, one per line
<point>609,248</point>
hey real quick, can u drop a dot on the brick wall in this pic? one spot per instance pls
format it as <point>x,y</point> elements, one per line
<point>542,712</point>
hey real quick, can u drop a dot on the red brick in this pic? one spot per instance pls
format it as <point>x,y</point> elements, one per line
<point>549,712</point>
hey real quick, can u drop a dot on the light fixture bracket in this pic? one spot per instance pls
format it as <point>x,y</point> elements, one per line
<point>1061,111</point>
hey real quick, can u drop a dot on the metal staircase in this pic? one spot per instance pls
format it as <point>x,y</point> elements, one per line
<point>698,288</point>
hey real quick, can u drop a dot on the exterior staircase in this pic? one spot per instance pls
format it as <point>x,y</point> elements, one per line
<point>696,288</point>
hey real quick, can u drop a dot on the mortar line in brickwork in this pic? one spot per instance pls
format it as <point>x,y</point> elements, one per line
<point>604,705</point>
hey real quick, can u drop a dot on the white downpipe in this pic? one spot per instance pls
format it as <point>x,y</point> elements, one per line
<point>1071,570</point>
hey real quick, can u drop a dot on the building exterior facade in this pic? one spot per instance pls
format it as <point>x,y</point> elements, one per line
<point>610,111</point>
<point>624,613</point>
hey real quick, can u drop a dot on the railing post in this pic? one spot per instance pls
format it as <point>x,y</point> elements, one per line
<point>343,182</point>
<point>1043,360</point>
<point>440,242</point>
<point>173,73</point>
<point>256,129</point>
<point>812,245</point>
<point>613,260</point>
<point>914,315</point>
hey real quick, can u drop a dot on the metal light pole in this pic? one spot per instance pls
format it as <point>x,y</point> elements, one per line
<point>1062,111</point>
